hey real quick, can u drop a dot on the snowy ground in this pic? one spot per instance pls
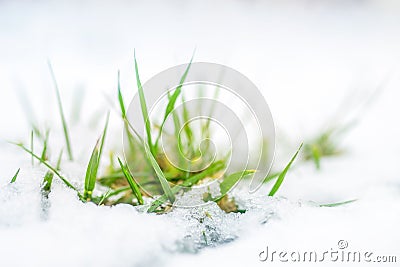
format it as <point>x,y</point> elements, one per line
<point>314,61</point>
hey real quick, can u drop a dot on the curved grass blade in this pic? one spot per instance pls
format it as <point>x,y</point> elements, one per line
<point>330,205</point>
<point>15,176</point>
<point>60,107</point>
<point>282,175</point>
<point>161,177</point>
<point>133,185</point>
<point>127,128</point>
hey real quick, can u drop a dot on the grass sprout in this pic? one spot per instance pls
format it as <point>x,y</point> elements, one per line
<point>93,165</point>
<point>48,178</point>
<point>325,144</point>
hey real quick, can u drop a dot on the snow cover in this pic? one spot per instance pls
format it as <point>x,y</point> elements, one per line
<point>306,57</point>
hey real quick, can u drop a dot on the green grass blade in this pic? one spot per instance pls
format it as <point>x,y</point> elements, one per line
<point>330,205</point>
<point>121,99</point>
<point>282,175</point>
<point>47,181</point>
<point>157,203</point>
<point>32,160</point>
<point>44,151</point>
<point>59,160</point>
<point>230,181</point>
<point>91,172</point>
<point>173,98</point>
<point>103,137</point>
<point>133,185</point>
<point>271,176</point>
<point>161,177</point>
<point>316,156</point>
<point>143,106</point>
<point>139,141</point>
<point>213,168</point>
<point>48,178</point>
<point>15,176</point>
<point>93,165</point>
<point>177,92</point>
<point>205,238</point>
<point>129,135</point>
<point>60,107</point>
<point>65,181</point>
<point>205,129</point>
<point>117,191</point>
<point>104,197</point>
<point>188,131</point>
<point>177,127</point>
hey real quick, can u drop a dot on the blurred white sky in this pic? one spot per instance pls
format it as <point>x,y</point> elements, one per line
<point>305,56</point>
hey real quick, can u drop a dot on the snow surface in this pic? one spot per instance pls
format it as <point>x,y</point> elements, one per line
<point>316,62</point>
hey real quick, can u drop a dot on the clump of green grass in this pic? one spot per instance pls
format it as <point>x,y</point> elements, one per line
<point>152,168</point>
<point>323,145</point>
